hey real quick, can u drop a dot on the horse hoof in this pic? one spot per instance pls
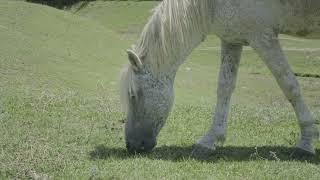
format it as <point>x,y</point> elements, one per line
<point>200,152</point>
<point>301,154</point>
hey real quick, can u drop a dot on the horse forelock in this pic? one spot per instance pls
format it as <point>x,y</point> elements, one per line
<point>127,86</point>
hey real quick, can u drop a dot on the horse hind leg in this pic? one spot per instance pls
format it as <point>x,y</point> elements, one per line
<point>230,58</point>
<point>271,53</point>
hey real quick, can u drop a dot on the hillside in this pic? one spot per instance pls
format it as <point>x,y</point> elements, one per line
<point>45,48</point>
<point>57,71</point>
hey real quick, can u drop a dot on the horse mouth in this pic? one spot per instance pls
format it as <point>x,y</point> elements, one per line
<point>141,148</point>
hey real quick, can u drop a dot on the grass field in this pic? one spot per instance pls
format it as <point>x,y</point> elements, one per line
<point>60,116</point>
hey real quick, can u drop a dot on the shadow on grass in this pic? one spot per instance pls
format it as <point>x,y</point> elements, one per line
<point>228,153</point>
<point>62,3</point>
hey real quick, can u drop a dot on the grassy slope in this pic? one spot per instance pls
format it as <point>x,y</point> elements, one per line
<point>61,49</point>
<point>58,71</point>
<point>59,103</point>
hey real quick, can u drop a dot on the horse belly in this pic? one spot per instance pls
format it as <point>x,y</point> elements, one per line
<point>313,28</point>
<point>301,20</point>
<point>311,32</point>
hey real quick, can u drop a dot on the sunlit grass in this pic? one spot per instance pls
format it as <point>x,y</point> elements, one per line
<point>59,105</point>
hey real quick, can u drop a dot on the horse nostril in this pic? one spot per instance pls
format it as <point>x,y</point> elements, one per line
<point>129,147</point>
<point>142,145</point>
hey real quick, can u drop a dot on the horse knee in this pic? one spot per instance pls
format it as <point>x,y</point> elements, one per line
<point>292,90</point>
<point>226,88</point>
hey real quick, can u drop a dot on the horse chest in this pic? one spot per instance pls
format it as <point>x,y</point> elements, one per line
<point>225,22</point>
<point>237,21</point>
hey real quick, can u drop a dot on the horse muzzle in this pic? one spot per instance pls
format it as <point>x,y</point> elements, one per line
<point>143,146</point>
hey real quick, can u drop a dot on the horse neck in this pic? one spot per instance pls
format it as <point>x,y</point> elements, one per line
<point>173,31</point>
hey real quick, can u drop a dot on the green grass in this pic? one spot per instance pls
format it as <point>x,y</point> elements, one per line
<point>60,115</point>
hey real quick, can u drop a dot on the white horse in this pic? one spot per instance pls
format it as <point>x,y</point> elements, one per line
<point>177,27</point>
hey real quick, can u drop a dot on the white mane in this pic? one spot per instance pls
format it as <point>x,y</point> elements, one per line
<point>167,38</point>
<point>168,34</point>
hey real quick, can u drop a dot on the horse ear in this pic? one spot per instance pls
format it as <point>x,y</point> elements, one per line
<point>134,60</point>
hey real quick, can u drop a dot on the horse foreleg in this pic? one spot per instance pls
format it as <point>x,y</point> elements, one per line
<point>230,58</point>
<point>271,53</point>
